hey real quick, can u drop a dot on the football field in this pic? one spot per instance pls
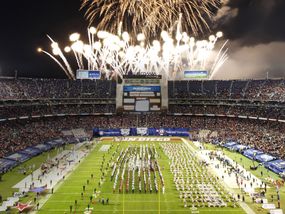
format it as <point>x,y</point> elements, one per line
<point>109,180</point>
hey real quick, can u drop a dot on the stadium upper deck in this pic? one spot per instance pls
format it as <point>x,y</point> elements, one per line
<point>38,97</point>
<point>11,89</point>
<point>265,90</point>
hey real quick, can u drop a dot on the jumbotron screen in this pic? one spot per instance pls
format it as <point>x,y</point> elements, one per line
<point>86,74</point>
<point>145,96</point>
<point>195,74</point>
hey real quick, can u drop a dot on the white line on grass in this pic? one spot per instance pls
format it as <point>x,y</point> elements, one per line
<point>44,200</point>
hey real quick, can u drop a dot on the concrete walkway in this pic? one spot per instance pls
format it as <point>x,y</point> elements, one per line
<point>68,160</point>
<point>72,168</point>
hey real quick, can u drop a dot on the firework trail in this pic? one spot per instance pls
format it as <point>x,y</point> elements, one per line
<point>114,54</point>
<point>150,16</point>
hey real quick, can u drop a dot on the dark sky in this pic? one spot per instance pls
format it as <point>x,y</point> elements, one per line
<point>24,25</point>
<point>255,29</point>
<point>256,21</point>
<point>256,33</point>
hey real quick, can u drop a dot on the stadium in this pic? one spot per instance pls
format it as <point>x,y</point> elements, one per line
<point>142,128</point>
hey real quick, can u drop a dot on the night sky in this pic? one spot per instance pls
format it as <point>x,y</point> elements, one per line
<point>24,25</point>
<point>255,28</point>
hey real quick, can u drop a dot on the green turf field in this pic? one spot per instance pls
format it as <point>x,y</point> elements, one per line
<point>71,189</point>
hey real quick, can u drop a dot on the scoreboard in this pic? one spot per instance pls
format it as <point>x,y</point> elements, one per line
<point>142,93</point>
<point>87,74</point>
<point>196,74</point>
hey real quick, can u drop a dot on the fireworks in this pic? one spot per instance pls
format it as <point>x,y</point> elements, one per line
<point>150,16</point>
<point>116,53</point>
<point>113,54</point>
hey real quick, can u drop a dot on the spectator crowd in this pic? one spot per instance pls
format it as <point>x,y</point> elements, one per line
<point>274,112</point>
<point>209,89</point>
<point>263,90</point>
<point>66,109</point>
<point>18,134</point>
<point>268,136</point>
<point>11,89</point>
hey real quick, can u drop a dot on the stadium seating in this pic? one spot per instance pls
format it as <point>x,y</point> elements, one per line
<point>265,135</point>
<point>272,90</point>
<point>35,110</point>
<point>11,89</point>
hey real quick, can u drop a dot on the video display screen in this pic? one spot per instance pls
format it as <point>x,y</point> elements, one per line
<point>142,98</point>
<point>195,74</point>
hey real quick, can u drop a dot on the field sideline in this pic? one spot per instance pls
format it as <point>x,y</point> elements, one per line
<point>246,163</point>
<point>71,188</point>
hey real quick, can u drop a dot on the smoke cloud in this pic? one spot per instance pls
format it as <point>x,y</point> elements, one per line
<point>225,13</point>
<point>254,62</point>
<point>257,38</point>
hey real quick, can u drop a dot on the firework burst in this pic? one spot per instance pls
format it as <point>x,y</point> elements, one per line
<point>113,54</point>
<point>150,16</point>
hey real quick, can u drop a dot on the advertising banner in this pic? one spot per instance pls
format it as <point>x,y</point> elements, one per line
<point>142,131</point>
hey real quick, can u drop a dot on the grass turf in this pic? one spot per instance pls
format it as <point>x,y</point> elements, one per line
<point>71,189</point>
<point>14,176</point>
<point>246,163</point>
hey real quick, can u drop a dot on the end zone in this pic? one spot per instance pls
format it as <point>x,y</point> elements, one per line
<point>142,139</point>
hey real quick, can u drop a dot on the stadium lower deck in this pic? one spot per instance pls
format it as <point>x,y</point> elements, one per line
<point>167,176</point>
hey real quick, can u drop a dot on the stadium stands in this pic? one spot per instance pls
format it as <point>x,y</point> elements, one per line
<point>33,111</point>
<point>20,89</point>
<point>58,109</point>
<point>247,111</point>
<point>266,90</point>
<point>264,135</point>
